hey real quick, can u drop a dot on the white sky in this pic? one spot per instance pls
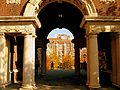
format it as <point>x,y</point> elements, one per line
<point>57,31</point>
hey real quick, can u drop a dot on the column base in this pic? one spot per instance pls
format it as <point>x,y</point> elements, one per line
<point>94,86</point>
<point>28,87</point>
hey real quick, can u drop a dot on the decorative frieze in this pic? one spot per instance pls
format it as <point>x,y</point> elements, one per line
<point>107,1</point>
<point>102,24</point>
<point>115,28</point>
<point>94,29</point>
<point>17,29</point>
<point>13,1</point>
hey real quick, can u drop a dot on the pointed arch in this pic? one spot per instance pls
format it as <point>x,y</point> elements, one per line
<point>33,7</point>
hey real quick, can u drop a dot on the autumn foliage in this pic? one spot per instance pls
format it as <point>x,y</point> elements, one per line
<point>67,62</point>
<point>52,58</point>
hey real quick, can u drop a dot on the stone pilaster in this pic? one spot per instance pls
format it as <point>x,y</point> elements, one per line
<point>15,71</point>
<point>43,59</point>
<point>2,59</point>
<point>118,58</point>
<point>28,63</point>
<point>43,62</point>
<point>93,61</point>
<point>39,57</point>
<point>114,58</point>
<point>77,56</point>
<point>88,71</point>
<point>33,60</point>
<point>77,60</point>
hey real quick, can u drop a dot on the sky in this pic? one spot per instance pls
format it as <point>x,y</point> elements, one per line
<point>57,31</point>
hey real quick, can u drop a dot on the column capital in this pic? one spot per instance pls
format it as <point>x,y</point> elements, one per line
<point>94,29</point>
<point>30,35</point>
<point>2,35</point>
<point>117,35</point>
<point>34,36</point>
<point>92,35</point>
<point>27,35</point>
<point>93,64</point>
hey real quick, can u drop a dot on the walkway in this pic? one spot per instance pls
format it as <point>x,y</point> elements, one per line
<point>61,80</point>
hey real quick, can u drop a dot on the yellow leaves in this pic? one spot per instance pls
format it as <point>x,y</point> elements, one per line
<point>67,62</point>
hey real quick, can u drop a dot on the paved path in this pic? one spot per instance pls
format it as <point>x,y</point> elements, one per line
<point>61,80</point>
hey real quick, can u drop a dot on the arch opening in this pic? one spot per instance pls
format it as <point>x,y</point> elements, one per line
<point>61,15</point>
<point>87,7</point>
<point>60,50</point>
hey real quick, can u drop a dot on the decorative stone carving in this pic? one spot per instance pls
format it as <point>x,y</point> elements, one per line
<point>115,28</point>
<point>107,1</point>
<point>33,7</point>
<point>17,29</point>
<point>13,1</point>
<point>107,7</point>
<point>90,7</point>
<point>94,29</point>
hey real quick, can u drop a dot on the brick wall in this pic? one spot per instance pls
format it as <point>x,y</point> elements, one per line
<point>12,9</point>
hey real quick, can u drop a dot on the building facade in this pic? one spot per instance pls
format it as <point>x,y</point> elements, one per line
<point>90,21</point>
<point>60,47</point>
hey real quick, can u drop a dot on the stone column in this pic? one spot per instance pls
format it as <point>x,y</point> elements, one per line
<point>33,60</point>
<point>43,61</point>
<point>14,62</point>
<point>2,58</point>
<point>77,60</point>
<point>114,59</point>
<point>93,61</point>
<point>118,58</point>
<point>88,71</point>
<point>39,52</point>
<point>28,63</point>
<point>77,56</point>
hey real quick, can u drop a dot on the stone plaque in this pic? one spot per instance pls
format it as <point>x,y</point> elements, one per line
<point>13,1</point>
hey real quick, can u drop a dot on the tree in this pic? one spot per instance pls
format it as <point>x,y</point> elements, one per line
<point>67,62</point>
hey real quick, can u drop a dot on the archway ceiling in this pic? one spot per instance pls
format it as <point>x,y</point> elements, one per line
<point>59,15</point>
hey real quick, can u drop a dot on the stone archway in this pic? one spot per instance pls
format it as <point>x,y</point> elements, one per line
<point>33,7</point>
<point>86,7</point>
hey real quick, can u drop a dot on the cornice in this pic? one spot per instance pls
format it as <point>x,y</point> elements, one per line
<point>102,19</point>
<point>102,24</point>
<point>19,24</point>
<point>96,29</point>
<point>20,19</point>
<point>17,29</point>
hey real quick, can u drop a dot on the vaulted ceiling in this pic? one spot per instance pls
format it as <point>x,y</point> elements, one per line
<point>60,15</point>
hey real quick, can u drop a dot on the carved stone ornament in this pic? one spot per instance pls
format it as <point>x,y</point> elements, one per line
<point>95,29</point>
<point>115,28</point>
<point>13,1</point>
<point>33,7</point>
<point>83,5</point>
<point>17,29</point>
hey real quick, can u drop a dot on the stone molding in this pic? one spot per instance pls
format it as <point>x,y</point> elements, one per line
<point>33,7</point>
<point>96,29</point>
<point>17,29</point>
<point>18,25</point>
<point>95,25</point>
<point>13,1</point>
